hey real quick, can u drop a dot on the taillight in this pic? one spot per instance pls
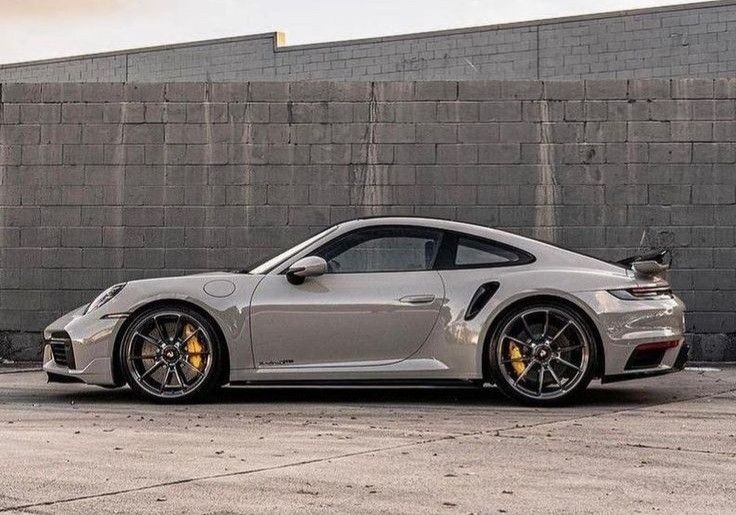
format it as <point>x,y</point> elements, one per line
<point>643,293</point>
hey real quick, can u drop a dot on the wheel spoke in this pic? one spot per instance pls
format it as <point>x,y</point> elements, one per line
<point>567,363</point>
<point>203,353</point>
<point>178,327</point>
<point>143,356</point>
<point>515,360</point>
<point>546,323</point>
<point>516,340</point>
<point>198,371</point>
<point>559,333</point>
<point>166,380</point>
<point>179,377</point>
<point>554,376</point>
<point>524,373</point>
<point>149,339</point>
<point>526,326</point>
<point>569,348</point>
<point>190,336</point>
<point>151,370</point>
<point>161,332</point>
<point>541,380</point>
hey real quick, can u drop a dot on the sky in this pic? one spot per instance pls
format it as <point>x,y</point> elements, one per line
<point>41,29</point>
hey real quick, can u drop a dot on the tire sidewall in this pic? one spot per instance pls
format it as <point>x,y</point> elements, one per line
<point>497,377</point>
<point>206,387</point>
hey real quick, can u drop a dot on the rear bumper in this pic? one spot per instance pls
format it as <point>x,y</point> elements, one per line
<point>625,325</point>
<point>677,366</point>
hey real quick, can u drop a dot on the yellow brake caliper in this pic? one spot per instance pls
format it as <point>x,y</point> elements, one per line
<point>194,347</point>
<point>515,354</point>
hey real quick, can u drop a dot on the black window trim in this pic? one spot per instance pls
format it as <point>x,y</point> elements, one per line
<point>433,266</point>
<point>445,259</point>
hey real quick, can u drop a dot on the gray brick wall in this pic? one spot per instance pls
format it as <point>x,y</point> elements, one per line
<point>101,183</point>
<point>674,41</point>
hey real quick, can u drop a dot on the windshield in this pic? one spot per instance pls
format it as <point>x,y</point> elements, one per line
<point>273,262</point>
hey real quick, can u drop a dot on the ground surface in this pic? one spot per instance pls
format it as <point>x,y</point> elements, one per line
<point>665,444</point>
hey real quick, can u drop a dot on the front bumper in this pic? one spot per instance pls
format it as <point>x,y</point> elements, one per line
<point>80,347</point>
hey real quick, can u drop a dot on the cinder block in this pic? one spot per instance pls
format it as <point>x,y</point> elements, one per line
<point>725,88</point>
<point>185,92</point>
<point>474,133</point>
<point>457,153</point>
<point>709,194</point>
<point>458,111</point>
<point>691,131</point>
<point>148,134</point>
<point>436,90</point>
<point>20,134</point>
<point>14,93</point>
<point>393,133</point>
<point>522,89</point>
<point>520,132</point>
<point>504,153</point>
<point>648,131</point>
<point>268,91</point>
<point>669,194</point>
<point>144,92</point>
<point>61,92</point>
<point>393,91</point>
<point>81,236</point>
<point>606,89</point>
<point>649,88</point>
<point>692,88</point>
<point>670,152</point>
<point>420,153</point>
<point>102,133</point>
<point>479,90</point>
<point>564,90</point>
<point>102,92</point>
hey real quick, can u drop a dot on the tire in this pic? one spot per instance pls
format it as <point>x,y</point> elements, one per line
<point>542,354</point>
<point>171,354</point>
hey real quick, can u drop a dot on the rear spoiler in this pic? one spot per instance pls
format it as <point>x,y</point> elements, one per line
<point>649,265</point>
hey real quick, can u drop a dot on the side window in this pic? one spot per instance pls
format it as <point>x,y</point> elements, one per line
<point>382,249</point>
<point>475,252</point>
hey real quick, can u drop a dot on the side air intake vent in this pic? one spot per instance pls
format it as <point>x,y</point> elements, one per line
<point>480,298</point>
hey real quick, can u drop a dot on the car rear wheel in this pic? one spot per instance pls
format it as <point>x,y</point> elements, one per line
<point>542,354</point>
<point>171,355</point>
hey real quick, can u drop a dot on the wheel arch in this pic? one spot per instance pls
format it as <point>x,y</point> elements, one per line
<point>532,299</point>
<point>117,372</point>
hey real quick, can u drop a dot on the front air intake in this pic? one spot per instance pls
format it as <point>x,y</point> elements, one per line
<point>62,349</point>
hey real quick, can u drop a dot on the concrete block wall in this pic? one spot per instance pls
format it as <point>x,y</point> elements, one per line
<point>672,41</point>
<point>102,183</point>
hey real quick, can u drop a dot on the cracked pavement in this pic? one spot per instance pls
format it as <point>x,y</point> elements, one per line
<point>664,444</point>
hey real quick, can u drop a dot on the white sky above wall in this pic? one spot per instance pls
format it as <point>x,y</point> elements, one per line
<point>41,29</point>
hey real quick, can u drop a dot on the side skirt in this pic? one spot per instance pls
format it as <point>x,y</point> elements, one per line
<point>458,383</point>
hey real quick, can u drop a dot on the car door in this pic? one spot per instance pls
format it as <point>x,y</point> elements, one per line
<point>376,304</point>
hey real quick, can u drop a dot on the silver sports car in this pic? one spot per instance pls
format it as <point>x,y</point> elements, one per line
<point>386,300</point>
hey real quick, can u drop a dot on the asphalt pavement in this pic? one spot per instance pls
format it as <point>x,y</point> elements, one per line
<point>664,444</point>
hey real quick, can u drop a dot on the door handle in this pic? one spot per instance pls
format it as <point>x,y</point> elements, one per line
<point>417,299</point>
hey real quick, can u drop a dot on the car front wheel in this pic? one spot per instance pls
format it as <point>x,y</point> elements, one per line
<point>542,354</point>
<point>171,355</point>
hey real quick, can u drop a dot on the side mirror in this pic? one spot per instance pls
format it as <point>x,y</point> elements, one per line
<point>310,266</point>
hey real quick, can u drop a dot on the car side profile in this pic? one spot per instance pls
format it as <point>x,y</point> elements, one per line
<point>383,300</point>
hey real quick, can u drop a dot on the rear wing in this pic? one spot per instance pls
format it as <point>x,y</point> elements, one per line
<point>655,264</point>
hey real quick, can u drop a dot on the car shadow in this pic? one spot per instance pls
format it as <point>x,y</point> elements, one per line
<point>606,396</point>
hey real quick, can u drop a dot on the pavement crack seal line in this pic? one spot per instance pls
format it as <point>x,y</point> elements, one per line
<point>327,459</point>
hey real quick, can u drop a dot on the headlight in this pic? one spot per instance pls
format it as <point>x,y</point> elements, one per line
<point>104,297</point>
